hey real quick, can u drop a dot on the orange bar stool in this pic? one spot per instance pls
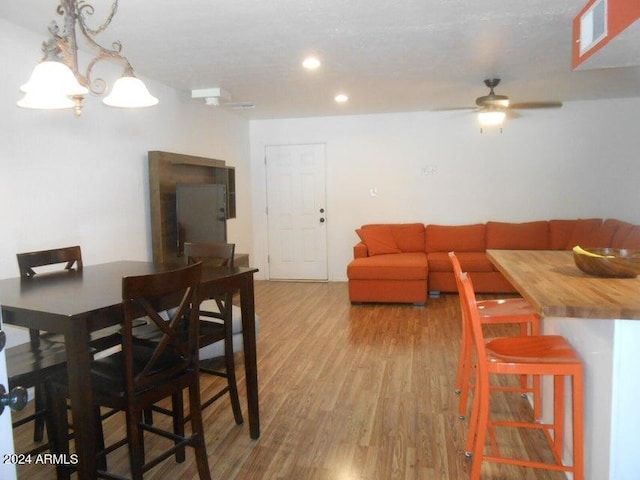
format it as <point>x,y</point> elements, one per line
<point>524,355</point>
<point>494,311</point>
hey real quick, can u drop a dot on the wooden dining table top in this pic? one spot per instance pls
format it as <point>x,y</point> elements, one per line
<point>555,286</point>
<point>70,292</point>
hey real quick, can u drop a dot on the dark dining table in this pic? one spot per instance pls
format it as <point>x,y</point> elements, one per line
<point>76,303</point>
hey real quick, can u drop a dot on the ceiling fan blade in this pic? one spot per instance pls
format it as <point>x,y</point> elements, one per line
<point>524,105</point>
<point>451,109</point>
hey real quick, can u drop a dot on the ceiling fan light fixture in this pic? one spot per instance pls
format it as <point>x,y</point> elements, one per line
<point>491,117</point>
<point>311,63</point>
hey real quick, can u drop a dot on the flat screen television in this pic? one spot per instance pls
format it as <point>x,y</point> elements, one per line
<point>201,213</point>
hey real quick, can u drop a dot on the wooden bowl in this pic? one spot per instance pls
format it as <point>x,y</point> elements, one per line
<point>618,262</point>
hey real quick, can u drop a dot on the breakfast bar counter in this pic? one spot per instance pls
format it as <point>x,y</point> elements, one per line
<point>601,319</point>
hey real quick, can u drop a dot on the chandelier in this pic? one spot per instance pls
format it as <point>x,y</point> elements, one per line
<point>56,82</point>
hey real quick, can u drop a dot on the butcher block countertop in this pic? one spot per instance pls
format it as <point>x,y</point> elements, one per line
<point>551,282</point>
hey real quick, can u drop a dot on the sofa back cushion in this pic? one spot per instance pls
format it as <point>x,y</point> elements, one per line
<point>409,236</point>
<point>603,236</point>
<point>560,232</point>
<point>378,239</point>
<point>458,238</point>
<point>631,240</point>
<point>392,238</point>
<point>518,236</point>
<point>619,238</point>
<point>585,232</point>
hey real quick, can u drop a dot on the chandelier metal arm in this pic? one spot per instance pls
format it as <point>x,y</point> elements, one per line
<point>75,12</point>
<point>57,78</point>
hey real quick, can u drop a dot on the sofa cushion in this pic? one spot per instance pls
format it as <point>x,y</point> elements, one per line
<point>584,232</point>
<point>560,232</point>
<point>518,236</point>
<point>604,234</point>
<point>623,231</point>
<point>632,240</point>
<point>469,261</point>
<point>398,266</point>
<point>409,236</point>
<point>463,238</point>
<point>378,239</point>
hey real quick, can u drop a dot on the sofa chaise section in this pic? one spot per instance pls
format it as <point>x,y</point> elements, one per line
<point>390,265</point>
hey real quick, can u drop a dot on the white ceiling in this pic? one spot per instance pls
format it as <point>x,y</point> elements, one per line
<point>387,55</point>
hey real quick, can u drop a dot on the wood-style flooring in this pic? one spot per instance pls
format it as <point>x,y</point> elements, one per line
<point>347,392</point>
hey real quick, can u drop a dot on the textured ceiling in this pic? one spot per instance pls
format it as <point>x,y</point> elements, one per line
<point>387,55</point>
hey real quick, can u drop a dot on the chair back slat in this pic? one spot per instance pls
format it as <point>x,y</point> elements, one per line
<point>220,254</point>
<point>176,349</point>
<point>27,261</point>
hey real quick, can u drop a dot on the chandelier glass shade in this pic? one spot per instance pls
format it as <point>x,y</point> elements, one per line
<point>129,92</point>
<point>56,82</point>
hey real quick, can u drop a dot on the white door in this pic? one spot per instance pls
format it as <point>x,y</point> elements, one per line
<point>297,212</point>
<point>7,466</point>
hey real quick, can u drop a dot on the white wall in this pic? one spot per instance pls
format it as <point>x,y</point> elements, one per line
<point>67,180</point>
<point>578,161</point>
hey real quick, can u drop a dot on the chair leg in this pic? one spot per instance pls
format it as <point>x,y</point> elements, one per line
<point>558,416</point>
<point>57,427</point>
<point>177,407</point>
<point>473,422</point>
<point>40,406</point>
<point>463,359</point>
<point>136,441</point>
<point>231,379</point>
<point>101,461</point>
<point>577,399</point>
<point>467,367</point>
<point>482,422</point>
<point>148,416</point>
<point>197,429</point>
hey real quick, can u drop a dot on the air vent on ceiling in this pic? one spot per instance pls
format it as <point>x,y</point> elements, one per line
<point>593,26</point>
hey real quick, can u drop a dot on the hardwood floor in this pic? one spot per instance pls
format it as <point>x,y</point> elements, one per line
<point>346,392</point>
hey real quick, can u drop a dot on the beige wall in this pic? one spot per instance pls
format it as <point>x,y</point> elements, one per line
<point>579,161</point>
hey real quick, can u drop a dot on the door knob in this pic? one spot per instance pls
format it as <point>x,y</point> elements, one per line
<point>16,399</point>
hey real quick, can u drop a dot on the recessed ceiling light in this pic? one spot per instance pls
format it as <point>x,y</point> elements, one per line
<point>341,98</point>
<point>311,63</point>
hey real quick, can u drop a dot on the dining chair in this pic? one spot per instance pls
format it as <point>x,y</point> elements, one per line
<point>218,319</point>
<point>71,257</point>
<point>496,311</point>
<point>29,261</point>
<point>141,375</point>
<point>29,364</point>
<point>220,325</point>
<point>535,355</point>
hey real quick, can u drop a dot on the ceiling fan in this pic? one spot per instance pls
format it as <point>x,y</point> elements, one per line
<point>493,108</point>
<point>502,101</point>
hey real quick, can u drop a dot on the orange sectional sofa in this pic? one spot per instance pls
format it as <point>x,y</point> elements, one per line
<point>402,263</point>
